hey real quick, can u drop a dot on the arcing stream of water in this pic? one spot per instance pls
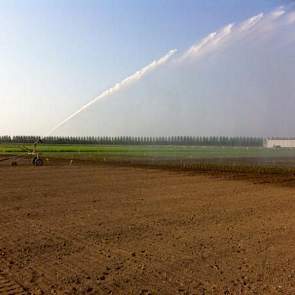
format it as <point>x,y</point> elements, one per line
<point>258,24</point>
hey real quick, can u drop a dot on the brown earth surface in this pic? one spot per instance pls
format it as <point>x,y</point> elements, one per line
<point>98,229</point>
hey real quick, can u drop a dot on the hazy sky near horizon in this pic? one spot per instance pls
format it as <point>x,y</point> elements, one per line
<point>55,56</point>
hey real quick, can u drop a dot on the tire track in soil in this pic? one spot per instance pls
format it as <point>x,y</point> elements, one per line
<point>49,271</point>
<point>9,287</point>
<point>123,256</point>
<point>46,274</point>
<point>79,265</point>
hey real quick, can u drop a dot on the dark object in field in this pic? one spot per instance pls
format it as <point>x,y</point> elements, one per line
<point>13,163</point>
<point>37,161</point>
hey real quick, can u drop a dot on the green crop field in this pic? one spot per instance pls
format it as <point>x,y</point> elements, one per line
<point>228,159</point>
<point>185,152</point>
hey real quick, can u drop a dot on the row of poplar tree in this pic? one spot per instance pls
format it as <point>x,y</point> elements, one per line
<point>139,140</point>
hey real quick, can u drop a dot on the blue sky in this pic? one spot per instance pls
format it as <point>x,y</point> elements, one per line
<point>56,55</point>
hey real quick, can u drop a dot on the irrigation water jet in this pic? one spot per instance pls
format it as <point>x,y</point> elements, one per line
<point>200,75</point>
<point>117,87</point>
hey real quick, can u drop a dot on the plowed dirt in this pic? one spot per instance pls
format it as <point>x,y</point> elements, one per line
<point>97,229</point>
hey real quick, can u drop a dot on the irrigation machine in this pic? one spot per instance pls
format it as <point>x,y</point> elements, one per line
<point>27,153</point>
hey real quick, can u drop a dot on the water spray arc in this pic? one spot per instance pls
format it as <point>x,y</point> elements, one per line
<point>117,87</point>
<point>214,44</point>
<point>215,39</point>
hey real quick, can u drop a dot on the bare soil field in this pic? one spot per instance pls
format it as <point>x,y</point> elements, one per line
<point>101,229</point>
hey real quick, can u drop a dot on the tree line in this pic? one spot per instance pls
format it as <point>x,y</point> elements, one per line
<point>138,140</point>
